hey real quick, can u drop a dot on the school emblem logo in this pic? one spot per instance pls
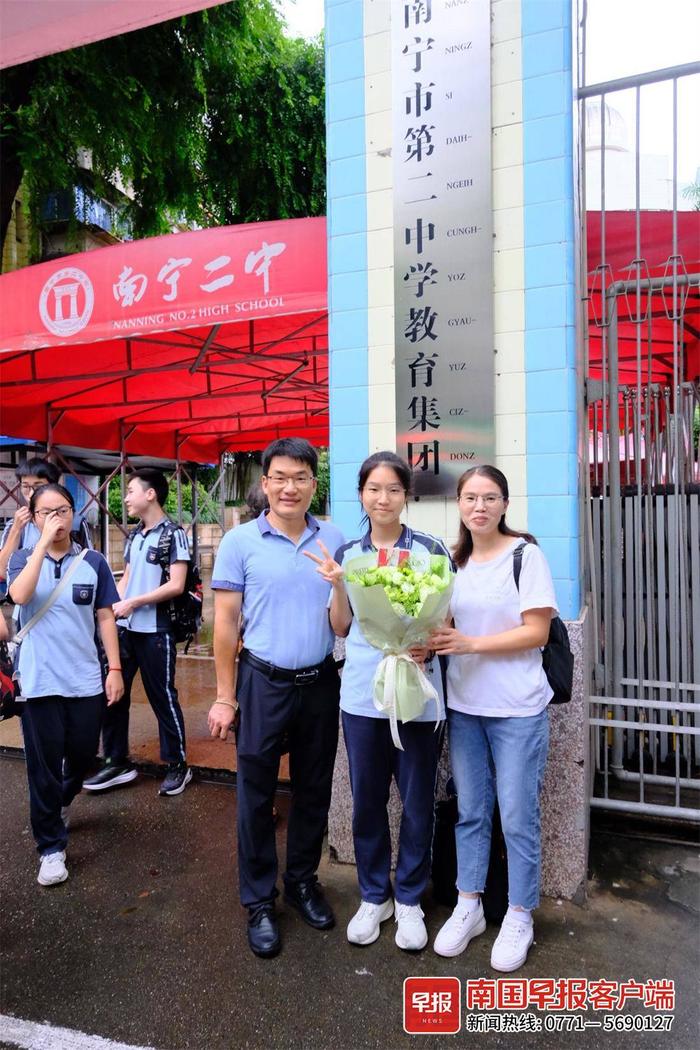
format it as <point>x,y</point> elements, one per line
<point>84,593</point>
<point>66,301</point>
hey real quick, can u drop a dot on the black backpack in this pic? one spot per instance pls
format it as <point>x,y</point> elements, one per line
<point>186,609</point>
<point>557,658</point>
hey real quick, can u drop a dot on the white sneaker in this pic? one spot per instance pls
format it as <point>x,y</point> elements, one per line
<point>411,934</point>
<point>52,869</point>
<point>512,944</point>
<point>459,929</point>
<point>363,928</point>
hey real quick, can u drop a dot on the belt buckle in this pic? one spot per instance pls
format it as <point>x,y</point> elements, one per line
<point>306,677</point>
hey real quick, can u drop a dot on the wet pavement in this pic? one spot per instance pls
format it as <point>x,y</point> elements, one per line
<point>145,943</point>
<point>196,683</point>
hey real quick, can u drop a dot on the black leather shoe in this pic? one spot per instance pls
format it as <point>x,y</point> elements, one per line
<point>263,932</point>
<point>307,897</point>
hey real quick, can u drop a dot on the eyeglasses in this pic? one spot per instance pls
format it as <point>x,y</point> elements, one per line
<point>298,480</point>
<point>489,500</point>
<point>28,488</point>
<point>62,512</point>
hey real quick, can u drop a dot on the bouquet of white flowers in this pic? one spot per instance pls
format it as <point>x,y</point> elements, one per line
<point>397,599</point>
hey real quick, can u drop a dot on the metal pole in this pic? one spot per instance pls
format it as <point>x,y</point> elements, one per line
<point>653,77</point>
<point>613,569</point>
<point>195,514</point>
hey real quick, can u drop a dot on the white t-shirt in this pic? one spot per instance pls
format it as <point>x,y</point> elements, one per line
<point>485,601</point>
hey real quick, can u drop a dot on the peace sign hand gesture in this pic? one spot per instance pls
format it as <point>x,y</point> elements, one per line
<point>328,567</point>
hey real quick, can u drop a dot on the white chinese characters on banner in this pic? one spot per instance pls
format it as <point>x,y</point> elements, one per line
<point>130,287</point>
<point>219,282</point>
<point>259,262</point>
<point>67,298</point>
<point>170,275</point>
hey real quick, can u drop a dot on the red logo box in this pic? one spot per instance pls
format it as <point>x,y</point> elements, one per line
<point>432,1005</point>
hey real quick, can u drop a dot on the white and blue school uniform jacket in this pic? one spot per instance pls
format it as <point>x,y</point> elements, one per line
<point>285,600</point>
<point>59,656</point>
<point>361,658</point>
<point>146,574</point>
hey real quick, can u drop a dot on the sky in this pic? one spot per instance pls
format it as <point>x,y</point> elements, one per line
<point>303,17</point>
<point>623,37</point>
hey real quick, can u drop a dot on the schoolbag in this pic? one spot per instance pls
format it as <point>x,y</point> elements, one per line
<point>557,658</point>
<point>186,609</point>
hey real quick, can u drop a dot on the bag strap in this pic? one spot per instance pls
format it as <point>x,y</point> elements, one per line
<point>21,635</point>
<point>518,564</point>
<point>165,546</point>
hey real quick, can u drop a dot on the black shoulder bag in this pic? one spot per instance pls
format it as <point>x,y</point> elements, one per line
<point>557,658</point>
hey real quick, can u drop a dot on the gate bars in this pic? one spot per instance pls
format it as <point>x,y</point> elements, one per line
<point>642,521</point>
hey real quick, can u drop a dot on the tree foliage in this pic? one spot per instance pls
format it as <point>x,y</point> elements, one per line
<point>213,119</point>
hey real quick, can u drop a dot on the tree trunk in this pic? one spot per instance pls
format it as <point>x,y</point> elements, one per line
<point>11,172</point>
<point>16,85</point>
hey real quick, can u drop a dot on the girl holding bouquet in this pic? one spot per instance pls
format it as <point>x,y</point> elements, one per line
<point>497,697</point>
<point>384,484</point>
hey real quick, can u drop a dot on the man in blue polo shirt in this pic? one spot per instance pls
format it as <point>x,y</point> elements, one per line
<point>146,639</point>
<point>287,687</point>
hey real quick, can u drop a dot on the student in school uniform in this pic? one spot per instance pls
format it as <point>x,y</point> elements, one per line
<point>146,638</point>
<point>59,667</point>
<point>21,531</point>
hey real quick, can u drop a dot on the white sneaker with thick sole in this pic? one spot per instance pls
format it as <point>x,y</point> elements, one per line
<point>512,944</point>
<point>459,929</point>
<point>411,934</point>
<point>52,869</point>
<point>363,928</point>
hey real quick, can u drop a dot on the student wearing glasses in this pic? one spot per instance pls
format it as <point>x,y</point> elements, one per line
<point>497,697</point>
<point>285,686</point>
<point>21,531</point>
<point>59,668</point>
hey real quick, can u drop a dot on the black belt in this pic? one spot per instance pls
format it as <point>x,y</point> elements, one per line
<point>301,676</point>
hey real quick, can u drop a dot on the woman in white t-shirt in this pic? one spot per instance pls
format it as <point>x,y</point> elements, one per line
<point>497,697</point>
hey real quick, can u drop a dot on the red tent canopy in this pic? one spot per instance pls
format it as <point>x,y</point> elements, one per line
<point>178,346</point>
<point>32,28</point>
<point>615,248</point>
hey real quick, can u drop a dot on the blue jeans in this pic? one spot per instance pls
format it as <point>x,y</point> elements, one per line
<point>500,758</point>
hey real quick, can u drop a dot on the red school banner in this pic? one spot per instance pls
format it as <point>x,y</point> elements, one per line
<point>182,280</point>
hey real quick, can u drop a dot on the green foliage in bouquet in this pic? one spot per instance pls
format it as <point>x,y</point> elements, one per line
<point>406,587</point>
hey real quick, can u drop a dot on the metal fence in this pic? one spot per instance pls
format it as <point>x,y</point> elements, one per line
<point>642,474</point>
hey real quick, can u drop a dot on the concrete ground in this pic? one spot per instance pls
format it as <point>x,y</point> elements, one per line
<point>196,684</point>
<point>145,943</point>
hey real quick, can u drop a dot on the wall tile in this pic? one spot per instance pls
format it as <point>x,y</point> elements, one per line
<point>506,146</point>
<point>380,210</point>
<point>547,52</point>
<point>347,253</point>
<point>345,62</point>
<point>547,95</point>
<point>349,407</point>
<point>508,187</point>
<point>349,291</point>
<point>347,215</point>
